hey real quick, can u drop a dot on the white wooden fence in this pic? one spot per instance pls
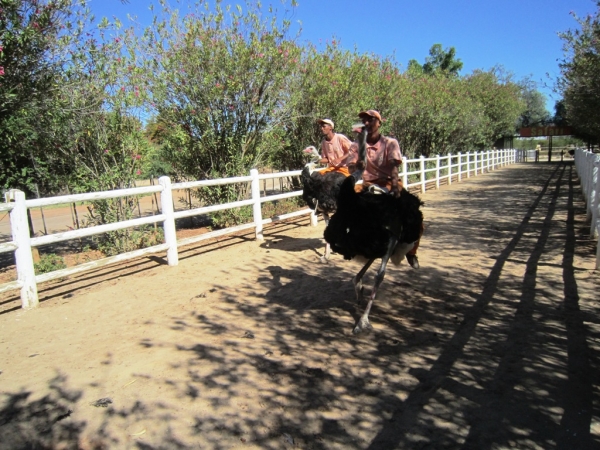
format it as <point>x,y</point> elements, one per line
<point>587,165</point>
<point>416,173</point>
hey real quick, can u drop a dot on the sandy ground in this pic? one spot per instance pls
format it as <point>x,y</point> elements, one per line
<point>494,343</point>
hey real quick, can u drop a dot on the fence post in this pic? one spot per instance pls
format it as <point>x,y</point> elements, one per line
<point>468,164</point>
<point>481,161</point>
<point>459,167</point>
<point>591,187</point>
<point>590,184</point>
<point>437,172</point>
<point>405,172</point>
<point>475,155</point>
<point>166,203</point>
<point>256,207</point>
<point>595,207</point>
<point>489,161</point>
<point>23,258</point>
<point>449,168</point>
<point>422,166</point>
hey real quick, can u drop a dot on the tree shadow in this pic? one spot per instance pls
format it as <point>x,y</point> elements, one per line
<point>44,423</point>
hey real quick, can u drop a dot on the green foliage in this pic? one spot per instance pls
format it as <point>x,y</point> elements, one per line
<point>336,84</point>
<point>499,103</point>
<point>439,62</point>
<point>34,37</point>
<point>126,240</point>
<point>49,263</point>
<point>536,113</point>
<point>219,84</point>
<point>560,114</point>
<point>231,217</point>
<point>580,81</point>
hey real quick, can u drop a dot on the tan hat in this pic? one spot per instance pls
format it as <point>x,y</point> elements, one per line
<point>370,113</point>
<point>327,121</point>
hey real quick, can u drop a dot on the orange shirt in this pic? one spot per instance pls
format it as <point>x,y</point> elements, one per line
<point>380,158</point>
<point>336,148</point>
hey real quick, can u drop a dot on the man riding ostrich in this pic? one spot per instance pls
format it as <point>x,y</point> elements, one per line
<point>378,218</point>
<point>321,187</point>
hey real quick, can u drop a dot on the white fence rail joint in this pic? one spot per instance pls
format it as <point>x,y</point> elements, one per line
<point>415,173</point>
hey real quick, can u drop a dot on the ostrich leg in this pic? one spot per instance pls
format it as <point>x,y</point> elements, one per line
<point>325,257</point>
<point>363,323</point>
<point>357,281</point>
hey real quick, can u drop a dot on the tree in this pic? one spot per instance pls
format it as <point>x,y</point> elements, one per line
<point>580,75</point>
<point>536,112</point>
<point>560,114</point>
<point>219,80</point>
<point>499,102</point>
<point>439,61</point>
<point>332,83</point>
<point>33,38</point>
<point>66,103</point>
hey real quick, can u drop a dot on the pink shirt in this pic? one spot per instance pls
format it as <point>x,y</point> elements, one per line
<point>336,148</point>
<point>380,158</point>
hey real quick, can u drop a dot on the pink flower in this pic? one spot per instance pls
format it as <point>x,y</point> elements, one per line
<point>139,172</point>
<point>1,70</point>
<point>123,89</point>
<point>1,48</point>
<point>106,150</point>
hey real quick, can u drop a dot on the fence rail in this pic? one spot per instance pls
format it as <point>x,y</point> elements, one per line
<point>587,165</point>
<point>416,174</point>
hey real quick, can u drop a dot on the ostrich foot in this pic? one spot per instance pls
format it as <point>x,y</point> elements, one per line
<point>362,325</point>
<point>324,259</point>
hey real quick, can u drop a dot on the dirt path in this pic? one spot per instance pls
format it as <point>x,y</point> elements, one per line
<point>494,343</point>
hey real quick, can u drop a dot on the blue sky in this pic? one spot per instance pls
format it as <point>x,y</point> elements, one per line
<point>520,35</point>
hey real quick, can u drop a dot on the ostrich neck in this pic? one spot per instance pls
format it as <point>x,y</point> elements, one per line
<point>373,138</point>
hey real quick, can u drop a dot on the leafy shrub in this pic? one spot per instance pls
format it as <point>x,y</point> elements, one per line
<point>127,240</point>
<point>49,263</point>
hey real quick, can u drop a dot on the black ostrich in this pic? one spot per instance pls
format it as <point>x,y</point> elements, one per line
<point>320,191</point>
<point>373,225</point>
